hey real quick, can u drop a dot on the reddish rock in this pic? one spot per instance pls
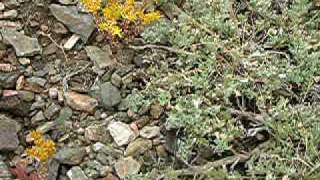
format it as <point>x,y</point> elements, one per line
<point>81,102</point>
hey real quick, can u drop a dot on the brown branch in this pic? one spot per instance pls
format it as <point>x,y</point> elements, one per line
<point>204,169</point>
<point>57,45</point>
<point>170,49</point>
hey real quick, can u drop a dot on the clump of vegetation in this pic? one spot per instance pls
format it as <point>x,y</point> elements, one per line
<point>43,148</point>
<point>236,75</point>
<point>120,18</point>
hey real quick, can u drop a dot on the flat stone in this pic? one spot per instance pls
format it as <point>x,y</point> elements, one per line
<point>10,25</point>
<point>121,133</point>
<point>8,79</point>
<point>71,42</point>
<point>110,95</point>
<point>67,2</point>
<point>76,173</point>
<point>96,133</point>
<point>11,14</point>
<point>59,28</point>
<point>156,110</point>
<point>38,117</point>
<point>110,176</point>
<point>138,146</point>
<point>22,44</point>
<point>71,156</point>
<point>1,6</point>
<point>150,132</point>
<point>37,81</point>
<point>11,4</point>
<point>81,24</point>
<point>50,49</point>
<point>53,169</point>
<point>8,134</point>
<point>81,102</point>
<point>52,110</point>
<point>102,59</point>
<point>126,167</point>
<point>53,93</point>
<point>15,105</point>
<point>4,171</point>
<point>64,115</point>
<point>24,61</point>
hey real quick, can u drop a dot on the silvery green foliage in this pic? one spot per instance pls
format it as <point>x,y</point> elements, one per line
<point>257,56</point>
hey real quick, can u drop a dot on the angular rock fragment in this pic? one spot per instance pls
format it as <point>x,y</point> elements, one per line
<point>8,134</point>
<point>81,102</point>
<point>102,59</point>
<point>121,133</point>
<point>22,44</point>
<point>79,23</point>
<point>127,166</point>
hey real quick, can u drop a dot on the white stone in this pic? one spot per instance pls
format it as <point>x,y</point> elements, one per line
<point>1,6</point>
<point>121,133</point>
<point>150,132</point>
<point>71,42</point>
<point>126,167</point>
<point>11,14</point>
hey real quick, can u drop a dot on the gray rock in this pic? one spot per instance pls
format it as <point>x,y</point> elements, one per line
<point>4,171</point>
<point>11,3</point>
<point>102,59</point>
<point>81,102</point>
<point>15,105</point>
<point>52,110</point>
<point>70,156</point>
<point>96,133</point>
<point>150,132</point>
<point>67,2</point>
<point>24,61</point>
<point>108,150</point>
<point>47,126</point>
<point>156,110</point>
<point>116,80</point>
<point>93,169</point>
<point>10,25</point>
<point>121,133</point>
<point>76,173</point>
<point>53,93</point>
<point>8,80</point>
<point>103,158</point>
<point>37,81</point>
<point>64,115</point>
<point>126,167</point>
<point>11,14</point>
<point>81,24</point>
<point>38,117</point>
<point>110,95</point>
<point>8,134</point>
<point>26,96</point>
<point>138,146</point>
<point>2,6</point>
<point>53,169</point>
<point>71,42</point>
<point>23,45</point>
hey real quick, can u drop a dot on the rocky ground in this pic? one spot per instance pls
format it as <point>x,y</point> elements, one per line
<point>60,76</point>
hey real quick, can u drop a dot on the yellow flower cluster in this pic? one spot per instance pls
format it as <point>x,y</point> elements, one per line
<point>116,11</point>
<point>43,149</point>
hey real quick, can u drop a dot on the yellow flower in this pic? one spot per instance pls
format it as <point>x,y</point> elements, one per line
<point>36,135</point>
<point>149,17</point>
<point>112,11</point>
<point>43,149</point>
<point>111,27</point>
<point>92,6</point>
